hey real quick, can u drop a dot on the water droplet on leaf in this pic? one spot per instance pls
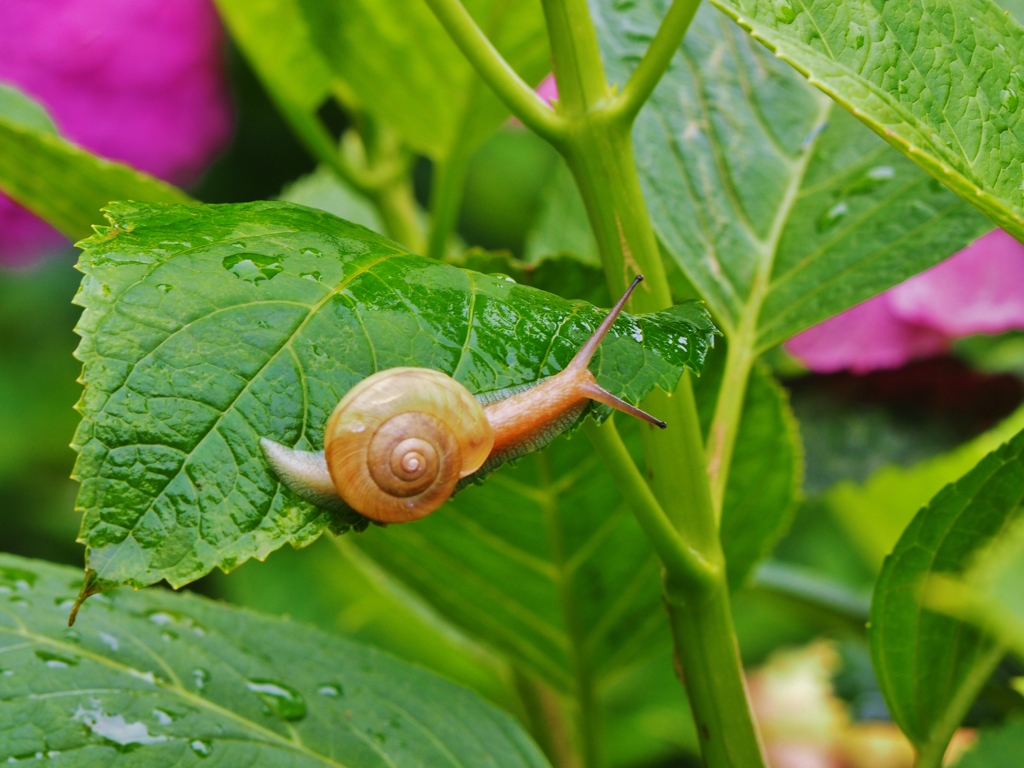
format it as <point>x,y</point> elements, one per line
<point>114,728</point>
<point>1009,100</point>
<point>832,216</point>
<point>254,268</point>
<point>785,12</point>
<point>17,578</point>
<point>200,677</point>
<point>286,702</point>
<point>314,276</point>
<point>165,288</point>
<point>311,252</point>
<point>201,747</point>
<point>55,660</point>
<point>331,690</point>
<point>869,181</point>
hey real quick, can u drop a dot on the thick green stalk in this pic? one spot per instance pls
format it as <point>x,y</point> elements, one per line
<point>599,151</point>
<point>705,642</point>
<point>595,140</point>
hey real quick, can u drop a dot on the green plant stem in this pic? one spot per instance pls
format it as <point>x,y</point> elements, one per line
<point>931,753</point>
<point>397,207</point>
<point>519,97</point>
<point>595,140</point>
<point>446,200</point>
<point>705,642</point>
<point>677,558</point>
<point>656,60</point>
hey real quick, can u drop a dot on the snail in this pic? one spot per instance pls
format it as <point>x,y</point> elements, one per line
<point>399,442</point>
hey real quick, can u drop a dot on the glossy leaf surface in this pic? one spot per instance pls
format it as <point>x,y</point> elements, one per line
<point>208,327</point>
<point>154,678</point>
<point>941,81</point>
<point>399,64</point>
<point>776,204</point>
<point>59,182</point>
<point>930,666</point>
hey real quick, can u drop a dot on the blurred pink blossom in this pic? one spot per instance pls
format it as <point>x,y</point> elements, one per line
<point>548,89</point>
<point>140,81</point>
<point>977,290</point>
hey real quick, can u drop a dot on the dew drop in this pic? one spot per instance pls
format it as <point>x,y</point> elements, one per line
<point>17,578</point>
<point>200,677</point>
<point>785,12</point>
<point>832,216</point>
<point>55,660</point>
<point>286,702</point>
<point>869,181</point>
<point>201,747</point>
<point>115,728</point>
<point>238,245</point>
<point>19,602</point>
<point>253,268</point>
<point>162,717</point>
<point>165,288</point>
<point>312,252</point>
<point>1009,100</point>
<point>73,636</point>
<point>314,276</point>
<point>331,690</point>
<point>110,641</point>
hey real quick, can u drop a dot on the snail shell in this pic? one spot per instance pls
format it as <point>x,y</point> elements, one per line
<point>400,440</point>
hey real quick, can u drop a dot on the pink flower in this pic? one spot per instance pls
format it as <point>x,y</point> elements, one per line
<point>548,89</point>
<point>140,81</point>
<point>978,290</point>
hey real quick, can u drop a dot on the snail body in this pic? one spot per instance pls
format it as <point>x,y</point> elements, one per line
<point>398,442</point>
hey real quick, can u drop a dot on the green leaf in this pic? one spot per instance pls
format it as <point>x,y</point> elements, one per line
<point>56,180</point>
<point>324,190</point>
<point>942,82</point>
<point>208,327</point>
<point>155,678</point>
<point>767,468</point>
<point>989,595</point>
<point>999,747</point>
<point>277,42</point>
<point>401,66</point>
<point>561,225</point>
<point>781,209</point>
<point>930,667</point>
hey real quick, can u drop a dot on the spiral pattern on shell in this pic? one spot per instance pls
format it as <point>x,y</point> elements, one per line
<point>400,440</point>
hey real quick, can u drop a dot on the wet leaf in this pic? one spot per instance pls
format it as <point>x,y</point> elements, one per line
<point>942,82</point>
<point>155,678</point>
<point>209,327</point>
<point>775,203</point>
